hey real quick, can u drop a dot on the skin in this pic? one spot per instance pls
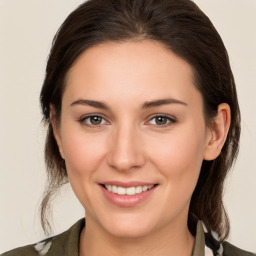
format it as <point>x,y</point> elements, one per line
<point>129,145</point>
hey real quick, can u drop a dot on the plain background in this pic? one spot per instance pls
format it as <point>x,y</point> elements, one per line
<point>26,31</point>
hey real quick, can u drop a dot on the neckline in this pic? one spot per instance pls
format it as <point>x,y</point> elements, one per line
<point>72,245</point>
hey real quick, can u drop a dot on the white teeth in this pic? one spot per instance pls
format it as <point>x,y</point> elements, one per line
<point>114,189</point>
<point>138,189</point>
<point>128,191</point>
<point>144,188</point>
<point>121,191</point>
<point>131,191</point>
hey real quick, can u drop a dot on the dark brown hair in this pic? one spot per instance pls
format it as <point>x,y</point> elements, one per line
<point>182,27</point>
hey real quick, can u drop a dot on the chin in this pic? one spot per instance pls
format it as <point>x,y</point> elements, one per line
<point>129,227</point>
<point>128,231</point>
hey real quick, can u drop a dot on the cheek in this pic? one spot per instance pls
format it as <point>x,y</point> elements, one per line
<point>179,157</point>
<point>83,155</point>
<point>83,152</point>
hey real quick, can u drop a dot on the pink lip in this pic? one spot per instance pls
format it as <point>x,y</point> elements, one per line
<point>127,200</point>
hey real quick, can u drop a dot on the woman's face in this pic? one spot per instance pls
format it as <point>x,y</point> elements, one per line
<point>132,120</point>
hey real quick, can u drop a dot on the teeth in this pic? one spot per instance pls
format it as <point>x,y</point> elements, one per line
<point>114,189</point>
<point>128,191</point>
<point>138,189</point>
<point>144,188</point>
<point>131,191</point>
<point>121,191</point>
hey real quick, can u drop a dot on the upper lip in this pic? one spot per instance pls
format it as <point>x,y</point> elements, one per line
<point>128,184</point>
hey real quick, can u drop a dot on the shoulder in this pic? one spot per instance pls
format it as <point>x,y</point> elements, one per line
<point>224,248</point>
<point>61,244</point>
<point>22,251</point>
<point>231,250</point>
<point>40,248</point>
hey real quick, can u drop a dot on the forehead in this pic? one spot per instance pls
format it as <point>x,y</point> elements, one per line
<point>130,69</point>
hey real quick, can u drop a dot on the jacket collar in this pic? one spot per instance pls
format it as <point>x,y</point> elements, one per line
<point>199,246</point>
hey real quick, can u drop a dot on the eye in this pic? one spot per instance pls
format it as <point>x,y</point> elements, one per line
<point>162,120</point>
<point>93,120</point>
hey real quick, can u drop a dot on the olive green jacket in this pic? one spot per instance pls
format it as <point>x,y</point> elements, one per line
<point>67,244</point>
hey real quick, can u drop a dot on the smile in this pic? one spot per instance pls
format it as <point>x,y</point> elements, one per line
<point>128,194</point>
<point>127,191</point>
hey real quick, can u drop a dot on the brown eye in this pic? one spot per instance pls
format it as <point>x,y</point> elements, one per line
<point>95,120</point>
<point>162,120</point>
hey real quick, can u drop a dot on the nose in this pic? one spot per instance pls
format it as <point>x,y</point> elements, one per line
<point>126,149</point>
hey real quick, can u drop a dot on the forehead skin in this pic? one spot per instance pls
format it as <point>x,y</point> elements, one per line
<point>134,64</point>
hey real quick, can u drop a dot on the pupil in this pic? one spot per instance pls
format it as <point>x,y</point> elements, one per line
<point>160,120</point>
<point>95,120</point>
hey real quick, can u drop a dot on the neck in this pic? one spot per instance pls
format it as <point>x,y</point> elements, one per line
<point>166,241</point>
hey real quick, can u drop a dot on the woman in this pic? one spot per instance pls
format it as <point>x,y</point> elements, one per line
<point>144,123</point>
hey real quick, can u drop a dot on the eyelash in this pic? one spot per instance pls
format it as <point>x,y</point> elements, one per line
<point>83,121</point>
<point>170,120</point>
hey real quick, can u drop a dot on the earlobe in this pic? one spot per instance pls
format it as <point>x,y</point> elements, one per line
<point>56,129</point>
<point>217,132</point>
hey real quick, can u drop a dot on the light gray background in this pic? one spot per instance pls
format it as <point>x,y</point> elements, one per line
<point>26,30</point>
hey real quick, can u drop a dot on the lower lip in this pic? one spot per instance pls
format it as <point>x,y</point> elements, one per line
<point>127,200</point>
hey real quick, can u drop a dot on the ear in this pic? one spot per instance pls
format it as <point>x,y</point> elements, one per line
<point>56,129</point>
<point>217,132</point>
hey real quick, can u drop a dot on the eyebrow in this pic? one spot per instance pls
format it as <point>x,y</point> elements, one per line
<point>147,104</point>
<point>92,103</point>
<point>156,103</point>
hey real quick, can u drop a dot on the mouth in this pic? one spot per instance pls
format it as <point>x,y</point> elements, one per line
<point>130,191</point>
